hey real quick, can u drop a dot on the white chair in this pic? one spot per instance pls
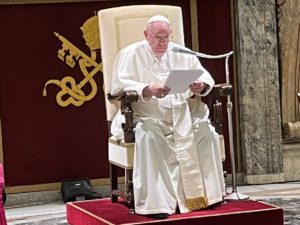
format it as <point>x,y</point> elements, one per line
<point>118,28</point>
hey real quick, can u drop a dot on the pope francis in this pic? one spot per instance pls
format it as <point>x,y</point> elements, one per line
<point>177,162</point>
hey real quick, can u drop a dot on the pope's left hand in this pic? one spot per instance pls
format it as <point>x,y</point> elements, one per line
<point>198,87</point>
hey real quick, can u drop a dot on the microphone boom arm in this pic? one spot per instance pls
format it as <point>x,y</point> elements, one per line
<point>202,55</point>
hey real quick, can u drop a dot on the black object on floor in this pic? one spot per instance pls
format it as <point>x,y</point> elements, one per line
<point>159,216</point>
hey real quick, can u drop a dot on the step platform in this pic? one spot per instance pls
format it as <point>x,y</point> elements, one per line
<point>233,212</point>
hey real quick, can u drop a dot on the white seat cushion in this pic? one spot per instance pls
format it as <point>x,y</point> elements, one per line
<point>120,153</point>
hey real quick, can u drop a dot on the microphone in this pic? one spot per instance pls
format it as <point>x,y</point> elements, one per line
<point>202,55</point>
<point>183,50</point>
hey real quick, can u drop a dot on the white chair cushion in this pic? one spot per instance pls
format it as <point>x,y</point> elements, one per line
<point>120,153</point>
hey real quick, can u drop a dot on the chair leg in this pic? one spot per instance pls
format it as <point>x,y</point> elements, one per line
<point>113,181</point>
<point>129,190</point>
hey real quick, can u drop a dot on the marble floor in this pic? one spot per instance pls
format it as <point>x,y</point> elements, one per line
<point>285,195</point>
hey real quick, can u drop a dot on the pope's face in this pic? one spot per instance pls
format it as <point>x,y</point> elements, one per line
<point>158,34</point>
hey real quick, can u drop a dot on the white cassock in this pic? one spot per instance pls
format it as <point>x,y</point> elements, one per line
<point>177,157</point>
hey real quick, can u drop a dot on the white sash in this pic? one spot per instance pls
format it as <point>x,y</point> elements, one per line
<point>186,154</point>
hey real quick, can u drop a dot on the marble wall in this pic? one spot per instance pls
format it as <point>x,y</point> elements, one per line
<point>258,90</point>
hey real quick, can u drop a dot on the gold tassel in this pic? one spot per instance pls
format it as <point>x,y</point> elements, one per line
<point>196,203</point>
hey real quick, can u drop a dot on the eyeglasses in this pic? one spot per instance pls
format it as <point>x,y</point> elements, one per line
<point>166,38</point>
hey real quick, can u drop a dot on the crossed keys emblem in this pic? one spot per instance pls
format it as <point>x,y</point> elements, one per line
<point>71,92</point>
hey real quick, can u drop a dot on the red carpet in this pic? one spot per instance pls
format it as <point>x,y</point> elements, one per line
<point>103,212</point>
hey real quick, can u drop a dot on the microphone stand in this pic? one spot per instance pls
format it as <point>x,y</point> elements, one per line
<point>234,194</point>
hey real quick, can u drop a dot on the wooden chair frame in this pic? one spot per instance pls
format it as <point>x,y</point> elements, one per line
<point>126,99</point>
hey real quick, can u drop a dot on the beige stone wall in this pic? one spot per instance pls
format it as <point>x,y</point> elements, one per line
<point>288,20</point>
<point>288,13</point>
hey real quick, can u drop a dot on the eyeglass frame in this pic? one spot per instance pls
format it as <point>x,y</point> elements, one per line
<point>160,39</point>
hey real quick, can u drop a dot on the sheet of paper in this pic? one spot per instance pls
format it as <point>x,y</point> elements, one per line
<point>179,80</point>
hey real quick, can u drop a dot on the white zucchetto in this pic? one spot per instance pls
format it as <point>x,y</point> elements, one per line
<point>158,18</point>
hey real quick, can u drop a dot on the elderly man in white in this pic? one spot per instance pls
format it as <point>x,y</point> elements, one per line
<point>177,160</point>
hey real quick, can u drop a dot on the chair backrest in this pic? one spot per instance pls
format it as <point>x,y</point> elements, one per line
<point>121,26</point>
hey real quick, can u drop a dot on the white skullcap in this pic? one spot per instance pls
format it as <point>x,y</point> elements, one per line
<point>158,18</point>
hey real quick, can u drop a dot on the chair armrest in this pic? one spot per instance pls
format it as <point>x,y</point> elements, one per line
<point>215,105</point>
<point>221,90</point>
<point>126,98</point>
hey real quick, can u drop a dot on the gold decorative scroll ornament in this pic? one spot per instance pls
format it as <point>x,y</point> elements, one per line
<point>71,92</point>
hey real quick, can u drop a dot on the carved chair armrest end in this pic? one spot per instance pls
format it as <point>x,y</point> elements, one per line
<point>223,89</point>
<point>215,104</point>
<point>126,98</point>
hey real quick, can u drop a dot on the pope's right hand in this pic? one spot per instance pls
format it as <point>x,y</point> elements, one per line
<point>157,90</point>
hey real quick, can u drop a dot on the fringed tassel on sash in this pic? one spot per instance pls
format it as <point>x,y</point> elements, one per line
<point>196,203</point>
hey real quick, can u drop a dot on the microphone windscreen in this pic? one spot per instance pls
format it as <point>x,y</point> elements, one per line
<point>176,49</point>
<point>183,50</point>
